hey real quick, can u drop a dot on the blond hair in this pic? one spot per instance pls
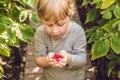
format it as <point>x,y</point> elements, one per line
<point>55,9</point>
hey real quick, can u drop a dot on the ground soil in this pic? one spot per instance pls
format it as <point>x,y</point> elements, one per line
<point>14,69</point>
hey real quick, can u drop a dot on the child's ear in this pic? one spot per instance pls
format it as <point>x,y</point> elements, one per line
<point>71,14</point>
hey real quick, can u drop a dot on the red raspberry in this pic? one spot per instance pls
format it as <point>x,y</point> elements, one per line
<point>57,57</point>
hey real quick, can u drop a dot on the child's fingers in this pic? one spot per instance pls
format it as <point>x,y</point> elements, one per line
<point>50,55</point>
<point>50,60</point>
<point>62,64</point>
<point>63,61</point>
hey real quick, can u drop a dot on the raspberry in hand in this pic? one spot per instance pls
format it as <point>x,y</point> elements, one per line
<point>57,57</point>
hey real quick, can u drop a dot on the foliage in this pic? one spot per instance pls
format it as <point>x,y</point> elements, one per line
<point>104,36</point>
<point>14,26</point>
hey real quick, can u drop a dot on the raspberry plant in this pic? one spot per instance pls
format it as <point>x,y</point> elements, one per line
<point>104,36</point>
<point>14,25</point>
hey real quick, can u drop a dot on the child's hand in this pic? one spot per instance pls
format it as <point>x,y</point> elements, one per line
<point>57,57</point>
<point>65,60</point>
<point>51,61</point>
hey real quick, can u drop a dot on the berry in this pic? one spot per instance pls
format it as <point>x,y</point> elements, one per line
<point>57,57</point>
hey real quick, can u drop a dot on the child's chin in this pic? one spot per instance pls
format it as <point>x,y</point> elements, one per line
<point>56,37</point>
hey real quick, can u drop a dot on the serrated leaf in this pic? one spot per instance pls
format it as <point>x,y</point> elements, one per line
<point>107,15</point>
<point>116,24</point>
<point>91,15</point>
<point>100,48</point>
<point>109,26</point>
<point>111,65</point>
<point>115,44</point>
<point>92,38</point>
<point>100,34</point>
<point>85,2</point>
<point>107,3</point>
<point>117,12</point>
<point>4,50</point>
<point>96,35</point>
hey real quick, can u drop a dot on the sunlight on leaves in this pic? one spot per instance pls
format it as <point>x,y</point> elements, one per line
<point>107,3</point>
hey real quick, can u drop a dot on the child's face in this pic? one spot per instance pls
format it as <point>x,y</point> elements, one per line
<point>56,30</point>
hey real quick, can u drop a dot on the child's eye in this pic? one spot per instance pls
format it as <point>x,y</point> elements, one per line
<point>50,25</point>
<point>61,24</point>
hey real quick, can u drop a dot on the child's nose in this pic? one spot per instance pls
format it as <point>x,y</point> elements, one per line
<point>55,30</point>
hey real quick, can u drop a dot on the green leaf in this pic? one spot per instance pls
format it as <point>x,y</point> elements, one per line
<point>2,40</point>
<point>118,33</point>
<point>23,16</point>
<point>1,70</point>
<point>96,35</point>
<point>31,3</point>
<point>112,7</point>
<point>85,2</point>
<point>95,1</point>
<point>24,32</point>
<point>91,15</point>
<point>115,24</point>
<point>4,50</point>
<point>111,65</point>
<point>33,18</point>
<point>119,27</point>
<point>90,31</point>
<point>109,26</point>
<point>102,22</point>
<point>92,38</point>
<point>100,34</point>
<point>100,48</point>
<point>13,40</point>
<point>107,15</point>
<point>16,12</point>
<point>2,28</point>
<point>117,12</point>
<point>115,44</point>
<point>118,1</point>
<point>112,55</point>
<point>107,3</point>
<point>5,20</point>
<point>21,2</point>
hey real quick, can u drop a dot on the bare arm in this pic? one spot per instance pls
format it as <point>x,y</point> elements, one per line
<point>42,62</point>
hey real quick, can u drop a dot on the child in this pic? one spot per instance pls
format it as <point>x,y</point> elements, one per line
<point>59,35</point>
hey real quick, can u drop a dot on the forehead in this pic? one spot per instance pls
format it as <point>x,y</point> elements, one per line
<point>54,22</point>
